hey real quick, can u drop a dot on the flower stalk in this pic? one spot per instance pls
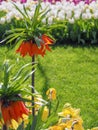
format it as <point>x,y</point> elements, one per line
<point>5,127</point>
<point>33,110</point>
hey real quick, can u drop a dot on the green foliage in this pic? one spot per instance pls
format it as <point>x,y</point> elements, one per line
<point>2,14</point>
<point>59,31</point>
<point>83,31</point>
<point>12,85</point>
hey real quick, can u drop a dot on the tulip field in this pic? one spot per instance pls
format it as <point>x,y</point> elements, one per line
<point>49,65</point>
<point>76,21</point>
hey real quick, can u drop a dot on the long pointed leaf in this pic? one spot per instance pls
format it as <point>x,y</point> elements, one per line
<point>20,71</point>
<point>27,76</point>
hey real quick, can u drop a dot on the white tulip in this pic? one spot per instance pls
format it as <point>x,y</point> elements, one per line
<point>54,13</point>
<point>71,20</point>
<point>84,16</point>
<point>68,14</point>
<point>43,5</point>
<point>17,14</point>
<point>2,8</point>
<point>81,3</point>
<point>87,10</point>
<point>2,20</point>
<point>50,20</point>
<point>61,16</point>
<point>58,3</point>
<point>96,14</point>
<point>89,16</point>
<point>8,19</point>
<point>31,13</point>
<point>44,20</point>
<point>77,16</point>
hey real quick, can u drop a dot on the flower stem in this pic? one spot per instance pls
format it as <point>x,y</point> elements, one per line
<point>5,127</point>
<point>49,108</point>
<point>33,110</point>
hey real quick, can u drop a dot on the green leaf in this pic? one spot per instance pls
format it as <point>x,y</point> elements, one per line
<point>20,71</point>
<point>36,16</point>
<point>23,14</point>
<point>53,119</point>
<point>43,14</point>
<point>15,30</point>
<point>6,74</point>
<point>26,12</point>
<point>39,121</point>
<point>27,76</point>
<point>13,37</point>
<point>2,14</point>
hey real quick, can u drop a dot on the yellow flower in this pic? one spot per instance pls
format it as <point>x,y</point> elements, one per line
<point>55,128</point>
<point>51,93</point>
<point>68,124</point>
<point>37,103</point>
<point>45,114</point>
<point>70,112</point>
<point>1,122</point>
<point>76,124</point>
<point>62,125</point>
<point>25,119</point>
<point>14,125</point>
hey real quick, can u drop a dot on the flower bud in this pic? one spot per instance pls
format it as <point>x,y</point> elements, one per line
<point>45,114</point>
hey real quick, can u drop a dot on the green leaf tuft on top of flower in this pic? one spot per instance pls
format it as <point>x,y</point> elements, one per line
<point>13,85</point>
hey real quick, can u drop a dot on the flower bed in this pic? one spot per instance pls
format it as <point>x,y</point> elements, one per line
<point>78,22</point>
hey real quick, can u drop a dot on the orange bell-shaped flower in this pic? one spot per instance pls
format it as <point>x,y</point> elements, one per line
<point>31,49</point>
<point>13,110</point>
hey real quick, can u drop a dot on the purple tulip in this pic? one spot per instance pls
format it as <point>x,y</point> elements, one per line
<point>52,1</point>
<point>23,1</point>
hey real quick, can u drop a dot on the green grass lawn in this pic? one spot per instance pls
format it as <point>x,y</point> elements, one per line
<point>73,71</point>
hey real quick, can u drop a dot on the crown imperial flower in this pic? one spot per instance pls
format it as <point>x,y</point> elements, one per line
<point>13,110</point>
<point>33,36</point>
<point>28,47</point>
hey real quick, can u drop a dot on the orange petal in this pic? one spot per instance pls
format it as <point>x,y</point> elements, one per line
<point>22,49</point>
<point>6,115</point>
<point>12,113</point>
<point>47,47</point>
<point>17,110</point>
<point>47,39</point>
<point>23,108</point>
